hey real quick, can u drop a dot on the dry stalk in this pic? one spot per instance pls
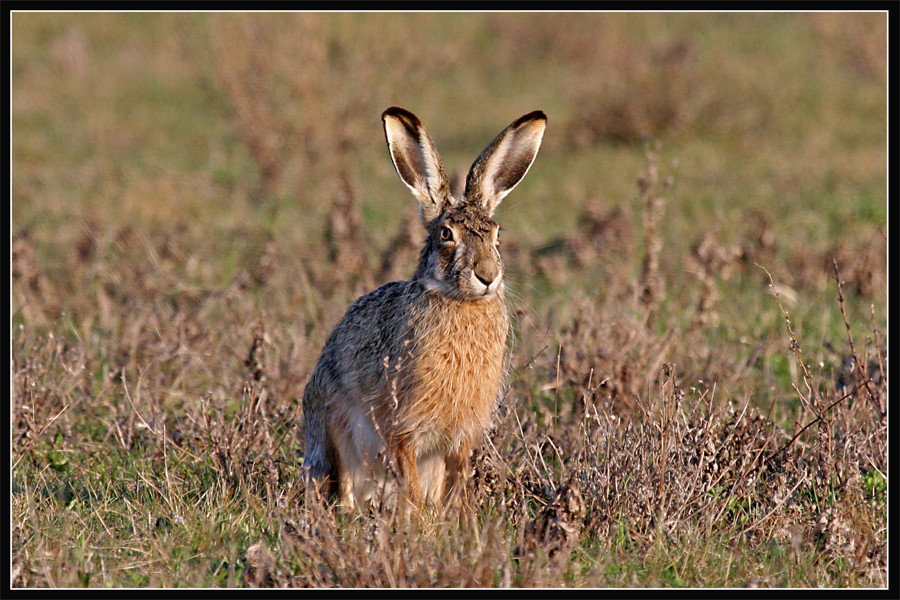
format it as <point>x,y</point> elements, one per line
<point>860,367</point>
<point>347,242</point>
<point>651,287</point>
<point>812,401</point>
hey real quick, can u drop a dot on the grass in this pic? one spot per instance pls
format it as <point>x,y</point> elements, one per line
<point>197,198</point>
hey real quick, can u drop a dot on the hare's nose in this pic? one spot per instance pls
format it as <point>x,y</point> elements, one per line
<point>486,272</point>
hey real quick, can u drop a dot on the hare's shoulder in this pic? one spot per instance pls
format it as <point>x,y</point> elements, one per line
<point>385,301</point>
<point>376,316</point>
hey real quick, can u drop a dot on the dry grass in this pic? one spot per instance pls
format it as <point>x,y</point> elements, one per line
<point>614,457</point>
<point>699,381</point>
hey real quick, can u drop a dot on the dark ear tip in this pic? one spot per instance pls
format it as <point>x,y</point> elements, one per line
<point>535,115</point>
<point>402,114</point>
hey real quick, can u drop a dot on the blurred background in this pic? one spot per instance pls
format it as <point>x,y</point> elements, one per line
<point>169,157</point>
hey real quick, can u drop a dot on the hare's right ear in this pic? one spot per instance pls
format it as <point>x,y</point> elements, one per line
<point>417,161</point>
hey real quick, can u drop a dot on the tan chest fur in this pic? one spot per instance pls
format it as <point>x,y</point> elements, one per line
<point>456,370</point>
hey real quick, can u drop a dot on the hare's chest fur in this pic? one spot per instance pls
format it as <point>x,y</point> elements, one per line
<point>457,368</point>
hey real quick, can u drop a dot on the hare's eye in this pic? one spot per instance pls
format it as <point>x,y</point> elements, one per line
<point>446,234</point>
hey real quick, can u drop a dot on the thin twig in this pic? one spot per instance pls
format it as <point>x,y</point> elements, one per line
<point>817,419</point>
<point>863,370</point>
<point>794,346</point>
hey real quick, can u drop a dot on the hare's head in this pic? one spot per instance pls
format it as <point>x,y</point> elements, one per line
<point>461,257</point>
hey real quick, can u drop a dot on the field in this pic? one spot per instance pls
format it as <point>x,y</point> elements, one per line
<point>697,264</point>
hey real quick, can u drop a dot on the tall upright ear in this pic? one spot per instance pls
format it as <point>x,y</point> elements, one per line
<point>417,161</point>
<point>505,161</point>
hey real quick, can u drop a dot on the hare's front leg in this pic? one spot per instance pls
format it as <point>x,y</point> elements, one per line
<point>457,463</point>
<point>433,477</point>
<point>409,472</point>
<point>345,487</point>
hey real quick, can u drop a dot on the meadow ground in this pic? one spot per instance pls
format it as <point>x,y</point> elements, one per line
<point>697,261</point>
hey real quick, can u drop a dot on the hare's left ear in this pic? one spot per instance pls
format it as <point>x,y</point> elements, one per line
<point>505,161</point>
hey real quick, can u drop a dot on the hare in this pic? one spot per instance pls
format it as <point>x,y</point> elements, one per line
<point>408,380</point>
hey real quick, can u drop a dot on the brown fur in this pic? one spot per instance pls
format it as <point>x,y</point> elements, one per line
<point>409,378</point>
<point>457,369</point>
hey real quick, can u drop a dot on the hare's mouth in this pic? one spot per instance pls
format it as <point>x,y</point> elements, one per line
<point>468,288</point>
<point>478,288</point>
